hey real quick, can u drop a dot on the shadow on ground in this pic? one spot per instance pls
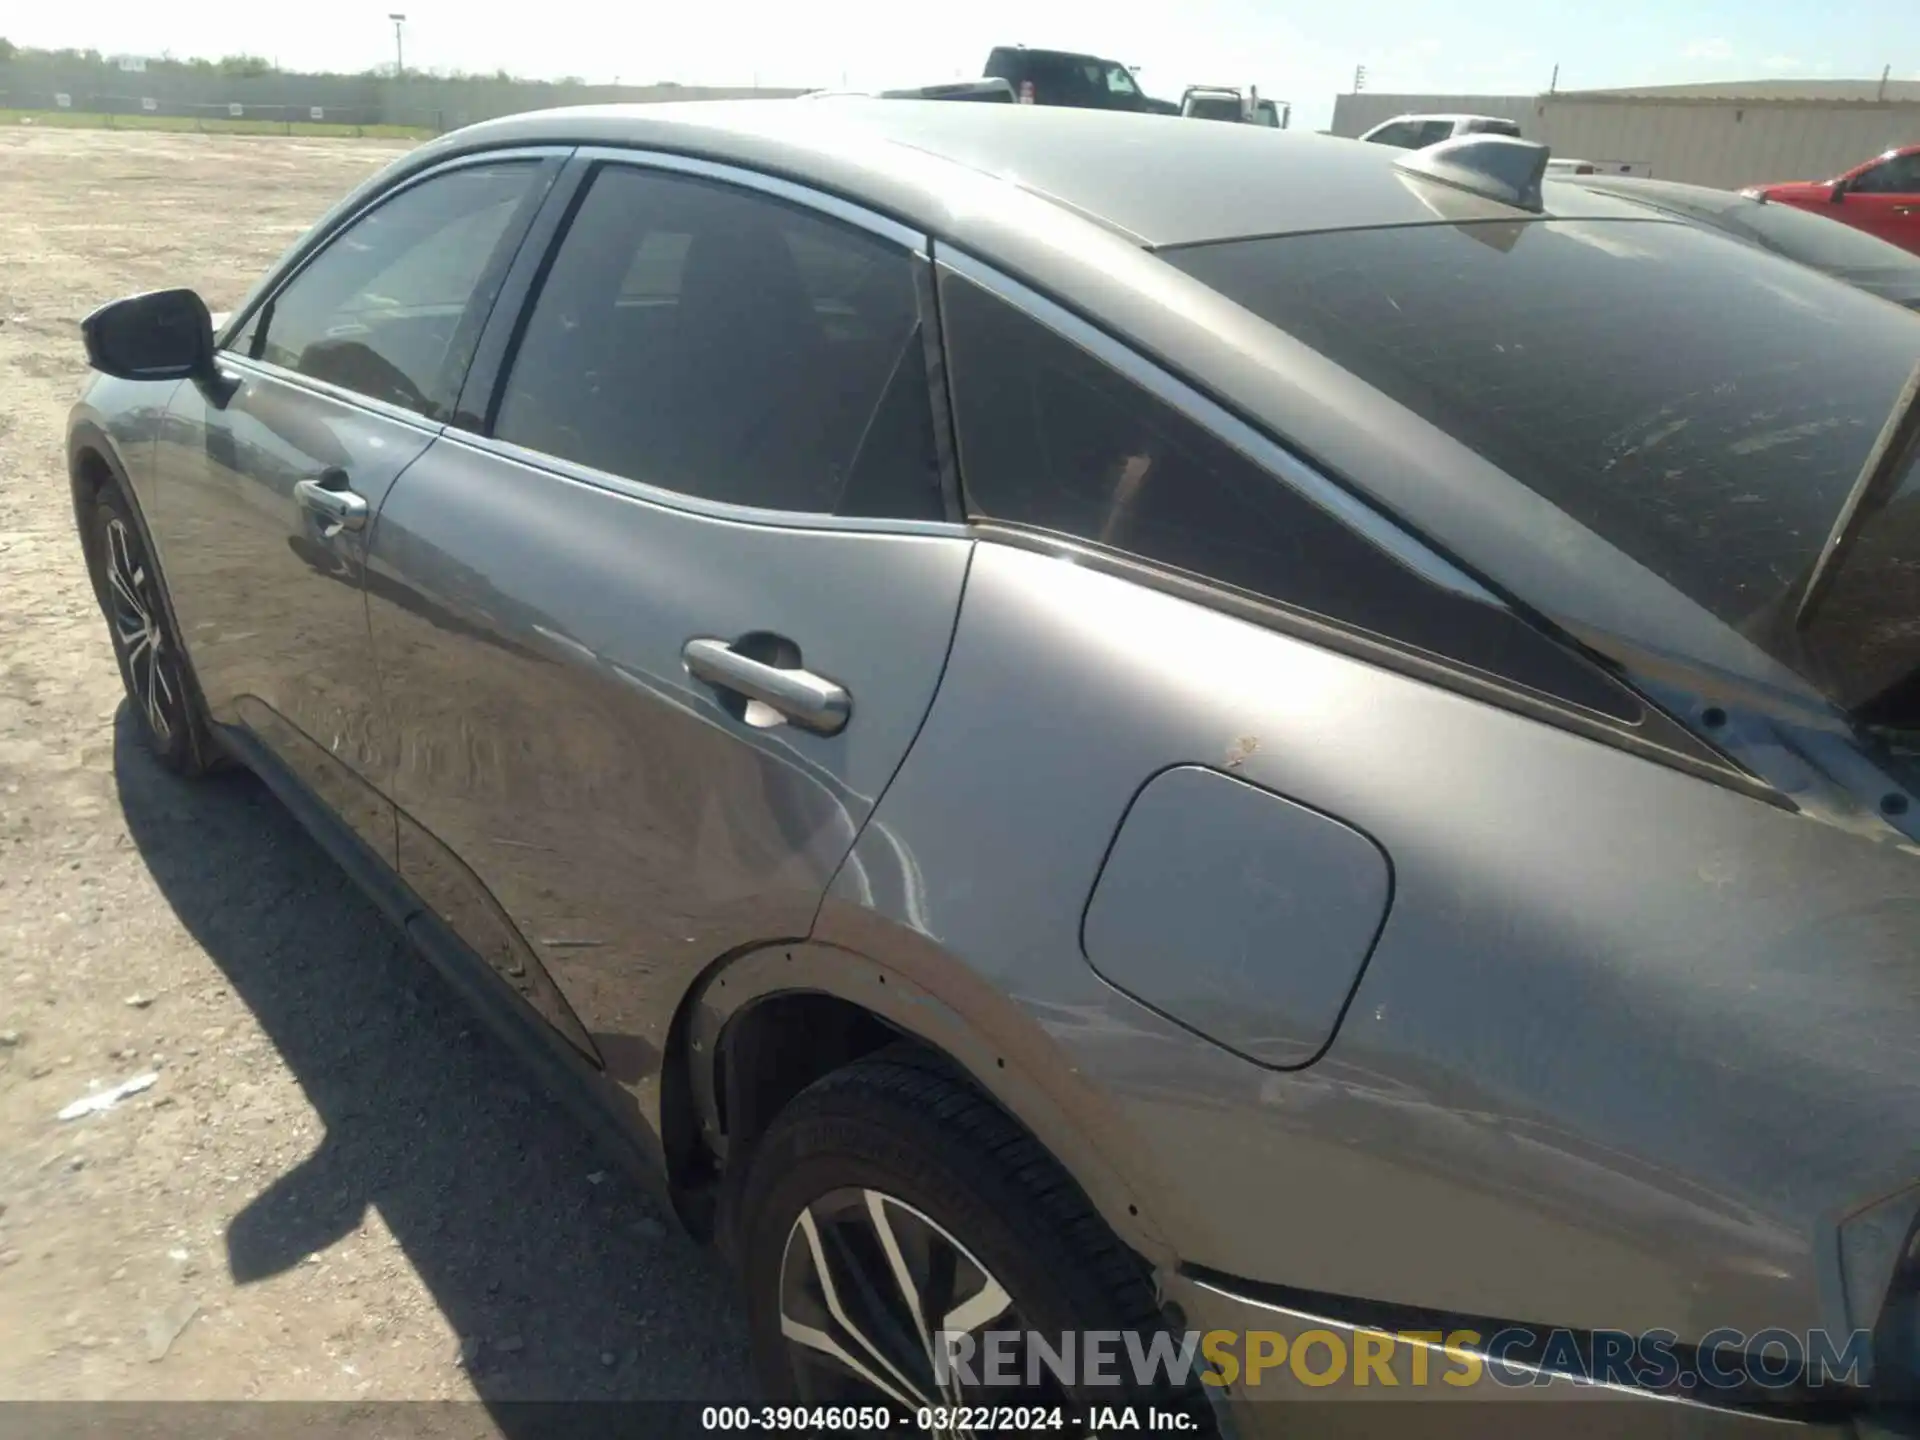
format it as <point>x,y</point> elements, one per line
<point>480,1178</point>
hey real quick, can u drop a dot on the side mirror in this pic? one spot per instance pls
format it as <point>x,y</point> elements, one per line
<point>1840,188</point>
<point>162,335</point>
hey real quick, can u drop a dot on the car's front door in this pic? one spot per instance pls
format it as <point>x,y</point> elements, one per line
<point>1884,199</point>
<point>271,481</point>
<point>656,633</point>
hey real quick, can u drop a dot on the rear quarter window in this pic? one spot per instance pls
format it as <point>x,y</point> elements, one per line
<point>1053,439</point>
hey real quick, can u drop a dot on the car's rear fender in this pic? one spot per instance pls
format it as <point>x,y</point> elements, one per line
<point>1628,1046</point>
<point>919,993</point>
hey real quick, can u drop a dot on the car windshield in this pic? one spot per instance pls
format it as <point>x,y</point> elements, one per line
<point>1703,407</point>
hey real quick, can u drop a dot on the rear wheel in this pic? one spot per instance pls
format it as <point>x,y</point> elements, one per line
<point>152,667</point>
<point>891,1209</point>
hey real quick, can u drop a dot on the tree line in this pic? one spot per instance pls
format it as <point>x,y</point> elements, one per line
<point>233,67</point>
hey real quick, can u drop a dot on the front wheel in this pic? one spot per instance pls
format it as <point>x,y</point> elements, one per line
<point>904,1244</point>
<point>152,666</point>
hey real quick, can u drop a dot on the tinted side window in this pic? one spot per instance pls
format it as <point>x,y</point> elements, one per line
<point>387,308</point>
<point>1432,133</point>
<point>1399,134</point>
<point>1898,176</point>
<point>1052,438</point>
<point>726,345</point>
<point>1058,81</point>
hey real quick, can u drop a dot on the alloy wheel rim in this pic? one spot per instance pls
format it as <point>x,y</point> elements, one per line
<point>868,1284</point>
<point>138,631</point>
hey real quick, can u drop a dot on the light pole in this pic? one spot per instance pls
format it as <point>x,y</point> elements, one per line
<point>399,56</point>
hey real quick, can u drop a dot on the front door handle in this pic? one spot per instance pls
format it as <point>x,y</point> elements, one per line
<point>329,497</point>
<point>804,698</point>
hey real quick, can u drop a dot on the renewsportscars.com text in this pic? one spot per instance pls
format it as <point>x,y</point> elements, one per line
<point>1725,1359</point>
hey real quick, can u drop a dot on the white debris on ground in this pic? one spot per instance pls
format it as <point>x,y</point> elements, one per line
<point>101,1101</point>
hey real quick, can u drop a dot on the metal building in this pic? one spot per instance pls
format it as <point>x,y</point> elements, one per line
<point>1727,134</point>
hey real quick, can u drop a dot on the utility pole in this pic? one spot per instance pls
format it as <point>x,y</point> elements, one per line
<point>1554,84</point>
<point>399,55</point>
<point>1883,82</point>
<point>1359,78</point>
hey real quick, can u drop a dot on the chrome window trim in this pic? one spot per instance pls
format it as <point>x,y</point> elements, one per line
<point>833,206</point>
<point>1330,496</point>
<point>267,370</point>
<point>694,505</point>
<point>317,245</point>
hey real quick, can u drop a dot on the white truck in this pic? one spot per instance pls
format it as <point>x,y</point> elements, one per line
<point>1230,103</point>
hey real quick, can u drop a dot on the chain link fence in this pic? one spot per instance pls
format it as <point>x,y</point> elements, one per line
<point>135,111</point>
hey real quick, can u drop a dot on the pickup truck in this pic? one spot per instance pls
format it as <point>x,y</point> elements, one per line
<point>1230,103</point>
<point>1065,77</point>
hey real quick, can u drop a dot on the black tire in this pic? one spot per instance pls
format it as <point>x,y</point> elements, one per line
<point>939,1152</point>
<point>153,668</point>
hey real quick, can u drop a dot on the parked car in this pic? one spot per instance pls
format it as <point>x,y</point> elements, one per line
<point>1069,724</point>
<point>1808,237</point>
<point>1881,197</point>
<point>1416,132</point>
<point>1064,77</point>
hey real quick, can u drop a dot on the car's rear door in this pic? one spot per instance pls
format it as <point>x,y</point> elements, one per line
<point>271,482</point>
<point>658,618</point>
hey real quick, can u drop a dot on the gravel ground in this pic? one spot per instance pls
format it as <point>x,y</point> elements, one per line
<point>338,1187</point>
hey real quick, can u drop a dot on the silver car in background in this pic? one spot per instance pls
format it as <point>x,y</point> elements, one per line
<point>1076,725</point>
<point>1416,132</point>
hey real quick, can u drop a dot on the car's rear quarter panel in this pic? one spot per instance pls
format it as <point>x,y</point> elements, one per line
<point>1626,1045</point>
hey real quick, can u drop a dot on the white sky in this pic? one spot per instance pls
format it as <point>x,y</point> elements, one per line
<point>1303,53</point>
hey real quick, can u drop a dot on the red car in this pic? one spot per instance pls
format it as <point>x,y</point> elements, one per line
<point>1881,197</point>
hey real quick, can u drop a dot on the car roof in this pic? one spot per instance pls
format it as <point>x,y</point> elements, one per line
<point>1051,54</point>
<point>1149,178</point>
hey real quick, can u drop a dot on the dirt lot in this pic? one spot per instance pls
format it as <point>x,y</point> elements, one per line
<point>338,1187</point>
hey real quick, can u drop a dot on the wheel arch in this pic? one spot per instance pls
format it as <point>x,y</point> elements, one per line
<point>760,1026</point>
<point>93,463</point>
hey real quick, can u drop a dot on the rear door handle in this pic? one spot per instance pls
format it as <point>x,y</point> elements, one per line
<point>329,497</point>
<point>801,696</point>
